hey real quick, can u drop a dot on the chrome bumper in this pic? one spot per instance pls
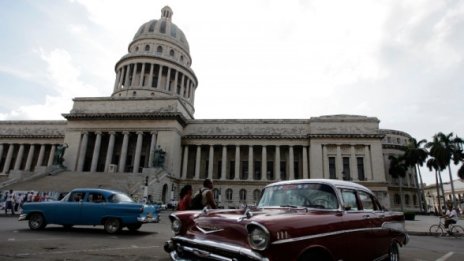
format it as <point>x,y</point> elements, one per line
<point>22,217</point>
<point>196,247</point>
<point>148,219</point>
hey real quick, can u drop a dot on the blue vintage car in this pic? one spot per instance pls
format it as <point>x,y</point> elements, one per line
<point>86,206</point>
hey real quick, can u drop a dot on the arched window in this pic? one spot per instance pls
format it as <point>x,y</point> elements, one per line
<point>397,199</point>
<point>171,53</point>
<point>159,50</point>
<point>216,195</point>
<point>256,195</point>
<point>181,58</point>
<point>243,195</point>
<point>136,48</point>
<point>229,194</point>
<point>147,48</point>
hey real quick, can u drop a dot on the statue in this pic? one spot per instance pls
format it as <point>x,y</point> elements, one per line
<point>159,157</point>
<point>59,152</point>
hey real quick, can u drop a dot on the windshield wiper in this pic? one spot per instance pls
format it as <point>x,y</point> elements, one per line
<point>288,206</point>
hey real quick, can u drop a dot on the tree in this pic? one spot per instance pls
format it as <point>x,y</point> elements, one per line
<point>438,163</point>
<point>398,170</point>
<point>415,156</point>
<point>450,151</point>
<point>432,164</point>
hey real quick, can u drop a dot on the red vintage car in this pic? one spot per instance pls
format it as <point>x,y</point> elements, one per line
<point>313,219</point>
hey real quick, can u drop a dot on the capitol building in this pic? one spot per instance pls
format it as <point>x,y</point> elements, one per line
<point>144,139</point>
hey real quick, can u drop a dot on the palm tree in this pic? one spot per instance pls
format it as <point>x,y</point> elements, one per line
<point>415,156</point>
<point>432,164</point>
<point>450,152</point>
<point>398,170</point>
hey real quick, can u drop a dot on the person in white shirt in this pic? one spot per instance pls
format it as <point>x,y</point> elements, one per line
<point>451,216</point>
<point>10,201</point>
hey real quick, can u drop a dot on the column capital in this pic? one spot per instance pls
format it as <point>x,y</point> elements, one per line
<point>154,132</point>
<point>112,132</point>
<point>126,132</point>
<point>139,132</point>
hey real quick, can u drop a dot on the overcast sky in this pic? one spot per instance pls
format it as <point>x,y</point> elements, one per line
<point>398,60</point>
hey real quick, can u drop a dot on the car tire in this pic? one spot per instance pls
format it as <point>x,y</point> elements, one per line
<point>112,225</point>
<point>134,227</point>
<point>37,221</point>
<point>393,252</point>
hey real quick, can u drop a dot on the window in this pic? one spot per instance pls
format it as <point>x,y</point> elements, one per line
<point>159,50</point>
<point>232,169</point>
<point>96,197</point>
<point>171,53</point>
<point>406,199</point>
<point>346,168</point>
<point>283,170</point>
<point>147,48</point>
<point>257,174</point>
<point>367,201</point>
<point>349,199</point>
<point>270,170</point>
<point>360,164</point>
<point>397,199</point>
<point>256,194</point>
<point>229,194</point>
<point>243,195</point>
<point>332,174</point>
<point>244,172</point>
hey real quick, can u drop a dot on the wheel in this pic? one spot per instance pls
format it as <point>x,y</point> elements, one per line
<point>436,230</point>
<point>37,221</point>
<point>112,225</point>
<point>134,227</point>
<point>393,252</point>
<point>457,231</point>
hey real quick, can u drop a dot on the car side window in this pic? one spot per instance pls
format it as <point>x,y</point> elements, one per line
<point>76,196</point>
<point>367,201</point>
<point>349,199</point>
<point>96,197</point>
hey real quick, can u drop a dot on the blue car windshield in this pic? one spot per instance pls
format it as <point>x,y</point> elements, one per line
<point>310,195</point>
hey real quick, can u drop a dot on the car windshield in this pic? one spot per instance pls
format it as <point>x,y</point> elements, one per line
<point>309,195</point>
<point>119,197</point>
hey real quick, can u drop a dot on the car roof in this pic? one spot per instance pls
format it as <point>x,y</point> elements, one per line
<point>332,182</point>
<point>96,190</point>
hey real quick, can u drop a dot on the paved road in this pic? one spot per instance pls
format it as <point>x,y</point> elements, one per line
<point>89,243</point>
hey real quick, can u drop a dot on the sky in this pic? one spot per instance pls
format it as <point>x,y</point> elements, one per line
<point>401,61</point>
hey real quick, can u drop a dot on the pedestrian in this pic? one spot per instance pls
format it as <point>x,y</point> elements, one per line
<point>10,201</point>
<point>451,216</point>
<point>185,198</point>
<point>204,197</point>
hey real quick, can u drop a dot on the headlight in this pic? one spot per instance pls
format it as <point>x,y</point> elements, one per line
<point>258,236</point>
<point>176,225</point>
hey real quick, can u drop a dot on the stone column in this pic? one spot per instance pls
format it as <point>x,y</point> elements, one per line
<point>185,162</point>
<point>142,75</point>
<point>123,156</point>
<point>150,79</point>
<point>160,74</point>
<point>126,79</point>
<point>197,163</point>
<point>96,152</point>
<point>168,80</point>
<point>41,155</point>
<point>339,163</point>
<point>264,164</point>
<point>152,149</point>
<point>367,163</point>
<point>237,162</point>
<point>250,163</point>
<point>1,151</point>
<point>354,165</point>
<point>305,163</point>
<point>138,152</point>
<point>83,151</point>
<point>51,156</point>
<point>210,162</point>
<point>134,71</point>
<point>109,151</point>
<point>182,86</point>
<point>116,82</point>
<point>9,156</point>
<point>291,163</point>
<point>174,90</point>
<point>277,163</point>
<point>19,157</point>
<point>30,155</point>
<point>224,162</point>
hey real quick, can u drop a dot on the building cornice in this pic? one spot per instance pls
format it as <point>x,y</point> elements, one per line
<point>126,116</point>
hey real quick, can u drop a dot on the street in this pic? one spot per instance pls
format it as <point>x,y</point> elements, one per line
<point>92,243</point>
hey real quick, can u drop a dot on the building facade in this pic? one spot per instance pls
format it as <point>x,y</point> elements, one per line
<point>115,141</point>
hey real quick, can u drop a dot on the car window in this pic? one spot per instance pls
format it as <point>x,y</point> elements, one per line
<point>300,195</point>
<point>367,201</point>
<point>349,199</point>
<point>119,197</point>
<point>96,197</point>
<point>76,196</point>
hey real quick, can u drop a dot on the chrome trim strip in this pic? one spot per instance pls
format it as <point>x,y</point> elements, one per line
<point>319,235</point>
<point>236,250</point>
<point>208,232</point>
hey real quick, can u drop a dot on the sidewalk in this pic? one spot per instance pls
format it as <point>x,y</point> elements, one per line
<point>420,225</point>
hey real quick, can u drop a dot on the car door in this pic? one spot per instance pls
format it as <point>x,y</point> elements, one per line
<point>93,208</point>
<point>71,210</point>
<point>357,226</point>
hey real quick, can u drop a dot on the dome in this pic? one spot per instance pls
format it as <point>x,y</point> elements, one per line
<point>164,29</point>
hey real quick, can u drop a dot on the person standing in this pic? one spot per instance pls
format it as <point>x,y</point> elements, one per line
<point>185,198</point>
<point>10,201</point>
<point>207,193</point>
